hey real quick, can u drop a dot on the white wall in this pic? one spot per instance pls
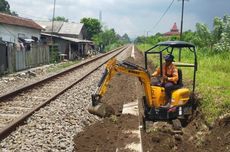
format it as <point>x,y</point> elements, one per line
<point>10,33</point>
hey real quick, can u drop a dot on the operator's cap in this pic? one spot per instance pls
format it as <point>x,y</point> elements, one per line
<point>169,57</point>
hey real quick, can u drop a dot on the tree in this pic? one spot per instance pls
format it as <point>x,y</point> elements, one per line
<point>60,18</point>
<point>14,13</point>
<point>93,27</point>
<point>203,35</point>
<point>5,8</point>
<point>105,38</point>
<point>140,39</point>
<point>109,36</point>
<point>222,30</point>
<point>125,38</point>
<point>218,29</point>
<point>188,36</point>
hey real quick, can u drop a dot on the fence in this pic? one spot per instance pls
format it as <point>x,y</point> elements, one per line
<point>20,59</point>
<point>3,59</point>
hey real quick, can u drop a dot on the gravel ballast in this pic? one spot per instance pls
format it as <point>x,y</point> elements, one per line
<point>52,128</point>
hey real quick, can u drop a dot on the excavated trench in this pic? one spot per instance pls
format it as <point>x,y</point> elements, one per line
<point>112,133</point>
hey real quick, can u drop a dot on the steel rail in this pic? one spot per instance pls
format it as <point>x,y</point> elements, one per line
<point>5,131</point>
<point>29,86</point>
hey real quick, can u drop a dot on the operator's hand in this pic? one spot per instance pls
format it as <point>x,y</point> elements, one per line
<point>165,78</point>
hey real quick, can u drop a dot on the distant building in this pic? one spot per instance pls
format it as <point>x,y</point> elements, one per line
<point>68,38</point>
<point>67,29</point>
<point>174,31</point>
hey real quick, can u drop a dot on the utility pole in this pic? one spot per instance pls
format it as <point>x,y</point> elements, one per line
<point>52,41</point>
<point>147,34</point>
<point>182,16</point>
<point>100,16</point>
<point>181,27</point>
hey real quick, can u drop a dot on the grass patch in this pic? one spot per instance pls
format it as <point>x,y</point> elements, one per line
<point>214,85</point>
<point>114,119</point>
<point>212,82</point>
<point>60,66</point>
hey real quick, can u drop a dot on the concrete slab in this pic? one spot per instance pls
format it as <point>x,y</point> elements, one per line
<point>132,108</point>
<point>132,53</point>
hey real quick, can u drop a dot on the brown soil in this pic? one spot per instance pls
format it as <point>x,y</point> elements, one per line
<point>106,136</point>
<point>113,134</point>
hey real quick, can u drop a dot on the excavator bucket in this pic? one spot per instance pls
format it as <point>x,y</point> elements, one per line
<point>99,108</point>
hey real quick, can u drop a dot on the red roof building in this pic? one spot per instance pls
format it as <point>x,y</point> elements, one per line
<point>174,31</point>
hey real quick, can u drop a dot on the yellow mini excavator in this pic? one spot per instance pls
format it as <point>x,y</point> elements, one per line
<point>181,103</point>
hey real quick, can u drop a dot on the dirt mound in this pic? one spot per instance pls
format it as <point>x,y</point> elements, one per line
<point>218,139</point>
<point>107,136</point>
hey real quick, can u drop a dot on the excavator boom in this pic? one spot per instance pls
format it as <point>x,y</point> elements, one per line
<point>112,67</point>
<point>154,95</point>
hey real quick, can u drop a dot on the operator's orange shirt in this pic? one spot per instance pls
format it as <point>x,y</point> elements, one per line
<point>171,72</point>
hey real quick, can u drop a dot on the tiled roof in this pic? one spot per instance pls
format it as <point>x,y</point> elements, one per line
<point>18,21</point>
<point>171,33</point>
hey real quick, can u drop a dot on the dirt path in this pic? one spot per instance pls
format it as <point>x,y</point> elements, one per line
<point>112,134</point>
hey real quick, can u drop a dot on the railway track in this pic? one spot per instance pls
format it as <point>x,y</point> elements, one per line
<point>18,105</point>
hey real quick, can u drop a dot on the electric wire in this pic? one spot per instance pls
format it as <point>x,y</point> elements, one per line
<point>34,17</point>
<point>163,15</point>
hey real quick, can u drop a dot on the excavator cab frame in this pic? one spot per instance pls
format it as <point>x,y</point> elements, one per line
<point>180,111</point>
<point>170,47</point>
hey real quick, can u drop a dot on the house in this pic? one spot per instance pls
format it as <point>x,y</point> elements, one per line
<point>173,32</point>
<point>14,29</point>
<point>19,44</point>
<point>67,37</point>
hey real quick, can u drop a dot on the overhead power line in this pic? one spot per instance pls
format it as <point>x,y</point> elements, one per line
<point>25,15</point>
<point>163,15</point>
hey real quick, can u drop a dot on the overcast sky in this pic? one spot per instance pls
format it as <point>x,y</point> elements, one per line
<point>134,17</point>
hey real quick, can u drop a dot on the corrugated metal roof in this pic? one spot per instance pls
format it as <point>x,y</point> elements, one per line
<point>47,25</point>
<point>71,28</point>
<point>18,21</point>
<point>61,27</point>
<point>68,38</point>
<point>75,40</point>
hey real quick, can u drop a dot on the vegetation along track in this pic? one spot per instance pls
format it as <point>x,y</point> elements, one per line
<point>19,104</point>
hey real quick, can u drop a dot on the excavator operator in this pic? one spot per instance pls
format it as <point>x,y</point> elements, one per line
<point>169,77</point>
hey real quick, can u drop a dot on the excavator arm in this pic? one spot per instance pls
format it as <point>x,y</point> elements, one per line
<point>112,67</point>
